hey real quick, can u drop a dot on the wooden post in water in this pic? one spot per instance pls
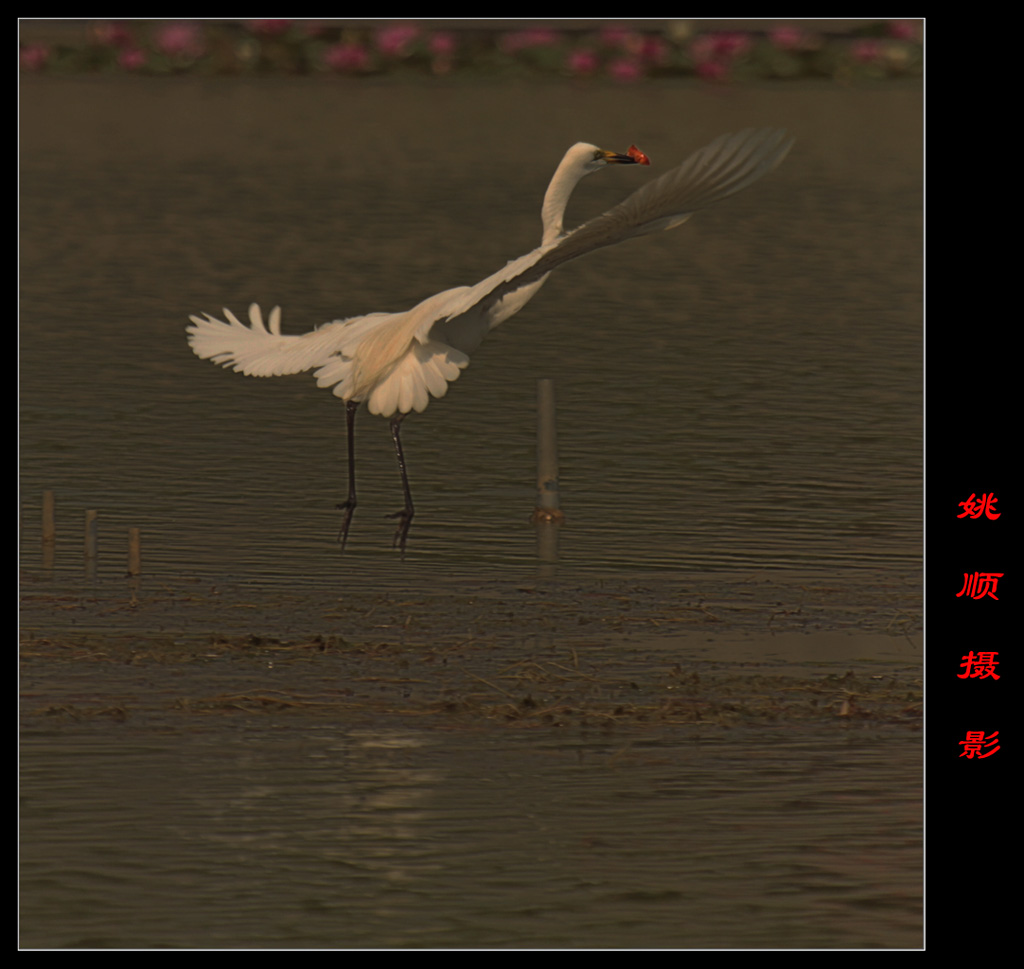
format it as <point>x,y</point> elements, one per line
<point>90,544</point>
<point>547,509</point>
<point>49,532</point>
<point>134,552</point>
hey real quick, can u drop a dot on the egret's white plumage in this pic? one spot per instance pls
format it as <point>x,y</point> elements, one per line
<point>396,362</point>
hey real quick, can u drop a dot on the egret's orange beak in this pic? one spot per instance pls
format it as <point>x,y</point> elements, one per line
<point>632,157</point>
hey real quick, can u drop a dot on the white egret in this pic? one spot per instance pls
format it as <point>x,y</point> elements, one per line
<point>395,362</point>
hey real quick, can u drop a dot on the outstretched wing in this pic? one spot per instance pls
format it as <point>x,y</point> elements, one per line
<point>375,358</point>
<point>396,361</point>
<point>726,166</point>
<point>260,350</point>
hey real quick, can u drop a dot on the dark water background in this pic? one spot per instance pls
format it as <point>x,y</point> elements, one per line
<point>742,392</point>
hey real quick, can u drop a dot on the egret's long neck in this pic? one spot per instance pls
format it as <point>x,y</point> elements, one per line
<point>567,176</point>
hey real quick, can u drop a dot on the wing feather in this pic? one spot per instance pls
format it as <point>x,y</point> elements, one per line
<point>726,166</point>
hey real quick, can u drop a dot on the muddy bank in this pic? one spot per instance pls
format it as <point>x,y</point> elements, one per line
<point>715,654</point>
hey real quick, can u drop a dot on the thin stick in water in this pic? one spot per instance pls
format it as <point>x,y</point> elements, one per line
<point>547,509</point>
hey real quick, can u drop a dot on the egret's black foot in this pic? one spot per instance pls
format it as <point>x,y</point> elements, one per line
<point>402,532</point>
<point>348,507</point>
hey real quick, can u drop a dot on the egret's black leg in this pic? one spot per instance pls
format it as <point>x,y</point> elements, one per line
<point>349,505</point>
<point>405,515</point>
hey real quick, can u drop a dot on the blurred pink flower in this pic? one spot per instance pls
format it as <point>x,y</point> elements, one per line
<point>786,37</point>
<point>867,50</point>
<point>714,54</point>
<point>582,62</point>
<point>269,28</point>
<point>614,36</point>
<point>625,69</point>
<point>34,57</point>
<point>347,58</point>
<point>524,39</point>
<point>653,50</point>
<point>112,34</point>
<point>442,43</point>
<point>442,46</point>
<point>712,70</point>
<point>179,40</point>
<point>131,59</point>
<point>903,29</point>
<point>703,48</point>
<point>394,40</point>
<point>731,45</point>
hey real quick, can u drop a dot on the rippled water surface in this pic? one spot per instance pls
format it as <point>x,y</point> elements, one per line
<point>263,835</point>
<point>742,392</point>
<point>739,409</point>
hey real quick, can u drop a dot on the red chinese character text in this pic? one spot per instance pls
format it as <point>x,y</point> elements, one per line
<point>979,665</point>
<point>980,584</point>
<point>985,506</point>
<point>975,743</point>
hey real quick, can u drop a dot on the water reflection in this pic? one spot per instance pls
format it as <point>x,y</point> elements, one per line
<point>258,834</point>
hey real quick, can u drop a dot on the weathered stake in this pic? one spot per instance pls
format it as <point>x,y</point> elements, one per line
<point>547,509</point>
<point>134,552</point>
<point>90,543</point>
<point>49,531</point>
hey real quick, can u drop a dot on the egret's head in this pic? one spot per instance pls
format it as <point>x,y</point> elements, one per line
<point>591,158</point>
<point>581,160</point>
